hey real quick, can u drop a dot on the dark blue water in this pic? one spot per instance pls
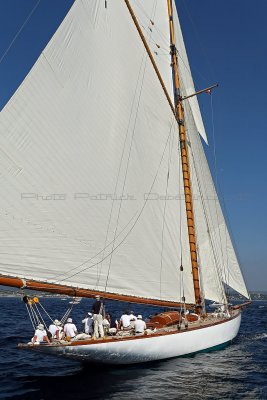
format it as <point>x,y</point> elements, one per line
<point>237,372</point>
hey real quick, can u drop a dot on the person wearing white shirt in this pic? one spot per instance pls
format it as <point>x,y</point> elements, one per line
<point>132,319</point>
<point>70,329</point>
<point>54,329</point>
<point>125,321</point>
<point>88,324</point>
<point>139,325</point>
<point>40,335</point>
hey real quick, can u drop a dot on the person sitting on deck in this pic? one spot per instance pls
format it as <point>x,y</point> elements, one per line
<point>132,318</point>
<point>125,321</point>
<point>40,335</point>
<point>106,324</point>
<point>70,329</point>
<point>88,324</point>
<point>139,325</point>
<point>54,329</point>
<point>113,324</point>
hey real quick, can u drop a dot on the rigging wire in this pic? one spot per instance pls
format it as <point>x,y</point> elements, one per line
<point>226,228</point>
<point>204,205</point>
<point>51,319</point>
<point>40,315</point>
<point>19,31</point>
<point>35,315</point>
<point>150,19</point>
<point>216,186</point>
<point>114,239</point>
<point>166,46</point>
<point>138,215</point>
<point>129,155</point>
<point>31,319</point>
<point>97,254</point>
<point>144,58</point>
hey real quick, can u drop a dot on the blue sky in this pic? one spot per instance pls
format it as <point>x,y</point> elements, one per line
<point>226,43</point>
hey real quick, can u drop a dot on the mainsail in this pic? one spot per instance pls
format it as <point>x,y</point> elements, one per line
<point>92,192</point>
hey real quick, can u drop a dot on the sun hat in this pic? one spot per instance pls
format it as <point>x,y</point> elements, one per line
<point>90,314</point>
<point>139,316</point>
<point>56,322</point>
<point>40,326</point>
<point>69,320</point>
<point>97,296</point>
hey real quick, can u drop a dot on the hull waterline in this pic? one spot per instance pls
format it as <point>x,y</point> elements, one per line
<point>150,348</point>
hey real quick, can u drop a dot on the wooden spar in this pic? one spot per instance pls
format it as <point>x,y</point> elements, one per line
<point>79,292</point>
<point>179,115</point>
<point>208,89</point>
<point>242,305</point>
<point>150,55</point>
<point>185,161</point>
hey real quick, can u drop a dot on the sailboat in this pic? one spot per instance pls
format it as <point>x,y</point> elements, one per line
<point>106,189</point>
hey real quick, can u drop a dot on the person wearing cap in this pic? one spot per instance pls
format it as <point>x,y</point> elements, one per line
<point>70,329</point>
<point>98,314</point>
<point>54,329</point>
<point>88,324</point>
<point>139,325</point>
<point>40,335</point>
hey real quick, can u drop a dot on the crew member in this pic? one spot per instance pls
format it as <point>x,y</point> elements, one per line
<point>98,314</point>
<point>40,335</point>
<point>139,325</point>
<point>70,329</point>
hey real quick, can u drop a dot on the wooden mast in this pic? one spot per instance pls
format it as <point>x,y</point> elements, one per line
<point>185,160</point>
<point>179,115</point>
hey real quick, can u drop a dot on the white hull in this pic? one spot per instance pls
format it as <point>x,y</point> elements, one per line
<point>151,348</point>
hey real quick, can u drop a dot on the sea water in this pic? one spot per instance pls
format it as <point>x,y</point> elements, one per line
<point>239,371</point>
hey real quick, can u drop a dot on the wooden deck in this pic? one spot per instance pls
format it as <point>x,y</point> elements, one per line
<point>205,321</point>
